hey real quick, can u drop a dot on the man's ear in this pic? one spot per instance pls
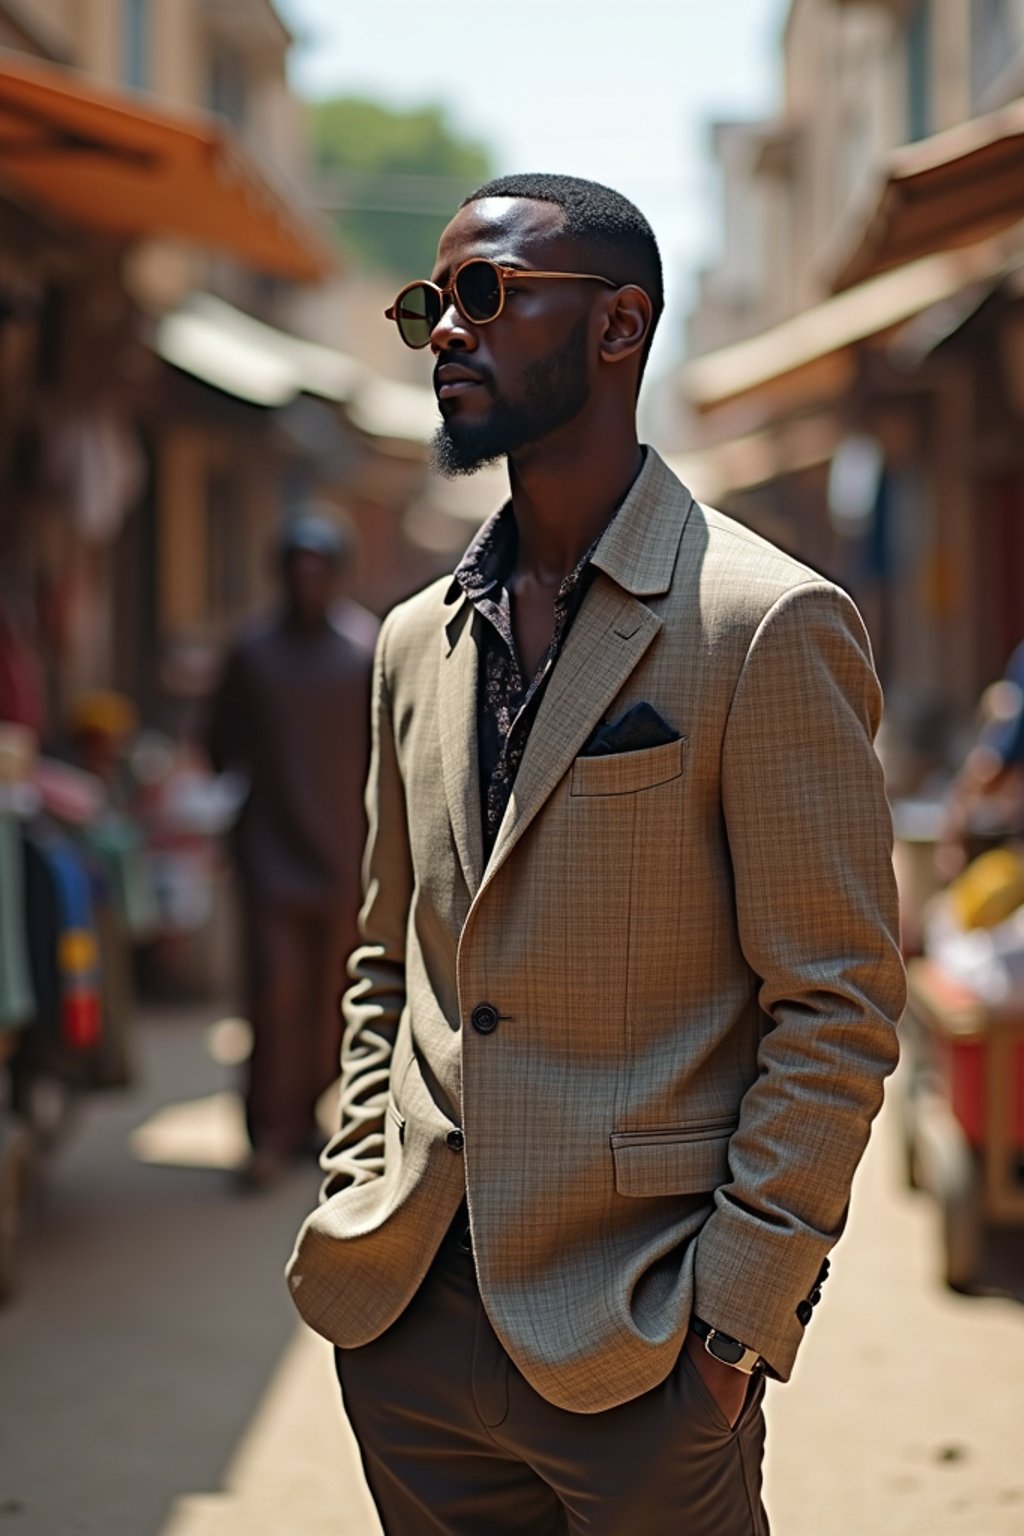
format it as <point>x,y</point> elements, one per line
<point>627,323</point>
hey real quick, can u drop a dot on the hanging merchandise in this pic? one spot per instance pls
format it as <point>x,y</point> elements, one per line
<point>17,999</point>
<point>78,956</point>
<point>64,949</point>
<point>21,677</point>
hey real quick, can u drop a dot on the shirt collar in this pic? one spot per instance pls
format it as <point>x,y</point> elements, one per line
<point>637,547</point>
<point>491,555</point>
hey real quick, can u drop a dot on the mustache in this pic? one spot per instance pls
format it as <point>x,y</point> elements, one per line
<point>479,371</point>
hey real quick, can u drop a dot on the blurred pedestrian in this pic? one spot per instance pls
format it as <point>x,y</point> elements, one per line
<point>630,970</point>
<point>291,715</point>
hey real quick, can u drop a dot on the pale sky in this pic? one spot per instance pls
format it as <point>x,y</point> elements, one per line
<point>620,91</point>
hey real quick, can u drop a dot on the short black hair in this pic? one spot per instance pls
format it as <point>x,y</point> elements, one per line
<point>618,241</point>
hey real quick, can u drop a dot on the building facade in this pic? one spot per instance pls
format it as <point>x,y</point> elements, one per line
<point>115,478</point>
<point>855,357</point>
<point>161,413</point>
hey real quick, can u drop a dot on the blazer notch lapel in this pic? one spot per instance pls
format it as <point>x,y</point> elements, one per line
<point>640,548</point>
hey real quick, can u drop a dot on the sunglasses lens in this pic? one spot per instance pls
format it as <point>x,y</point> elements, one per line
<point>478,286</point>
<point>417,312</point>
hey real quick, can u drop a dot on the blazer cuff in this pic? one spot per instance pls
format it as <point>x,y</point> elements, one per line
<point>759,1284</point>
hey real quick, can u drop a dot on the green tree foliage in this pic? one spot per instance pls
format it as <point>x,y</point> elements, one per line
<point>392,179</point>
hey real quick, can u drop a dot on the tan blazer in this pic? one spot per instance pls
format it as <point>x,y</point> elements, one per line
<point>687,954</point>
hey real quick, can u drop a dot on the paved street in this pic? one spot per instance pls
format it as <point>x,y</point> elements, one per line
<point>155,1383</point>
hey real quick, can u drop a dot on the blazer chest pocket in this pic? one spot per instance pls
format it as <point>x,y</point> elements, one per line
<point>623,773</point>
<point>672,1162</point>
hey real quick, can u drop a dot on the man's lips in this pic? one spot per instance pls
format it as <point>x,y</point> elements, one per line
<point>455,379</point>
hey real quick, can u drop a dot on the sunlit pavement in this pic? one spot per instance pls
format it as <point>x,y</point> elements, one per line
<point>296,1468</point>
<point>904,1415</point>
<point>155,1382</point>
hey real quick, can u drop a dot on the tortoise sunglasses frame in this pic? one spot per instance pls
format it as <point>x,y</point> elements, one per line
<point>451,290</point>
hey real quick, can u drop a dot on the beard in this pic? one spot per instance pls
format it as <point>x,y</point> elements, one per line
<point>554,391</point>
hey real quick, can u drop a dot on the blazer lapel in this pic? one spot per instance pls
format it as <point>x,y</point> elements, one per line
<point>456,720</point>
<point>609,635</point>
<point>636,558</point>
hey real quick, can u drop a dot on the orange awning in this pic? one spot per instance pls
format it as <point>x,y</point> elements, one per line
<point>811,356</point>
<point>111,161</point>
<point>951,190</point>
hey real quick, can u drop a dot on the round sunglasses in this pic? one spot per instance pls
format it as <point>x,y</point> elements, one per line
<point>478,289</point>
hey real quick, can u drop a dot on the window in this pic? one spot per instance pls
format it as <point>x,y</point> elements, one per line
<point>919,71</point>
<point>992,44</point>
<point>854,156</point>
<point>227,87</point>
<point>135,43</point>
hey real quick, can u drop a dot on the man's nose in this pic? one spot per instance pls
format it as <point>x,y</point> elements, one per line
<point>452,333</point>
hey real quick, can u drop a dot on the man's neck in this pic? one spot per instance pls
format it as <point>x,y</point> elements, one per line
<point>562,501</point>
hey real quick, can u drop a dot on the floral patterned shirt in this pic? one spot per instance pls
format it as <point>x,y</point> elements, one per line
<point>507,702</point>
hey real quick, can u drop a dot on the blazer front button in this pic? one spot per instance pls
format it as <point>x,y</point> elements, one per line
<point>484,1018</point>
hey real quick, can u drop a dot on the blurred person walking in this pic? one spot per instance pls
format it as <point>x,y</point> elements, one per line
<point>291,715</point>
<point>629,977</point>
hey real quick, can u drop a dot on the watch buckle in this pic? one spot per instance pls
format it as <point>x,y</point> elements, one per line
<point>756,1365</point>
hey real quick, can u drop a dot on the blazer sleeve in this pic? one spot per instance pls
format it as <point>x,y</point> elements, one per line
<point>810,839</point>
<point>373,1004</point>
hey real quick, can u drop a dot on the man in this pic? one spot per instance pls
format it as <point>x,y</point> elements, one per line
<point>291,715</point>
<point>629,973</point>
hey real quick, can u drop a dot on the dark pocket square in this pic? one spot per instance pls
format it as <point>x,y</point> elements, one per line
<point>639,728</point>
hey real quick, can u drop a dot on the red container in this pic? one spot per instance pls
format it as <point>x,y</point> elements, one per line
<point>965,1069</point>
<point>80,1019</point>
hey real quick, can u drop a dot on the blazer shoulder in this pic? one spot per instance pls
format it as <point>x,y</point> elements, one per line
<point>734,543</point>
<point>747,574</point>
<point>424,609</point>
<point>411,629</point>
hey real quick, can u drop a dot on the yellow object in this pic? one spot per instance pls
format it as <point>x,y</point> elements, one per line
<point>77,952</point>
<point>104,711</point>
<point>989,889</point>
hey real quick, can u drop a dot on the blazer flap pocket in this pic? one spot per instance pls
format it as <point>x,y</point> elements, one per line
<point>625,772</point>
<point>672,1162</point>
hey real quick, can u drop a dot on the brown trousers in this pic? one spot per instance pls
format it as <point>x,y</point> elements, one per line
<point>294,965</point>
<point>456,1443</point>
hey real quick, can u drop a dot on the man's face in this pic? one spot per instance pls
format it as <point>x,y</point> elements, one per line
<point>504,386</point>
